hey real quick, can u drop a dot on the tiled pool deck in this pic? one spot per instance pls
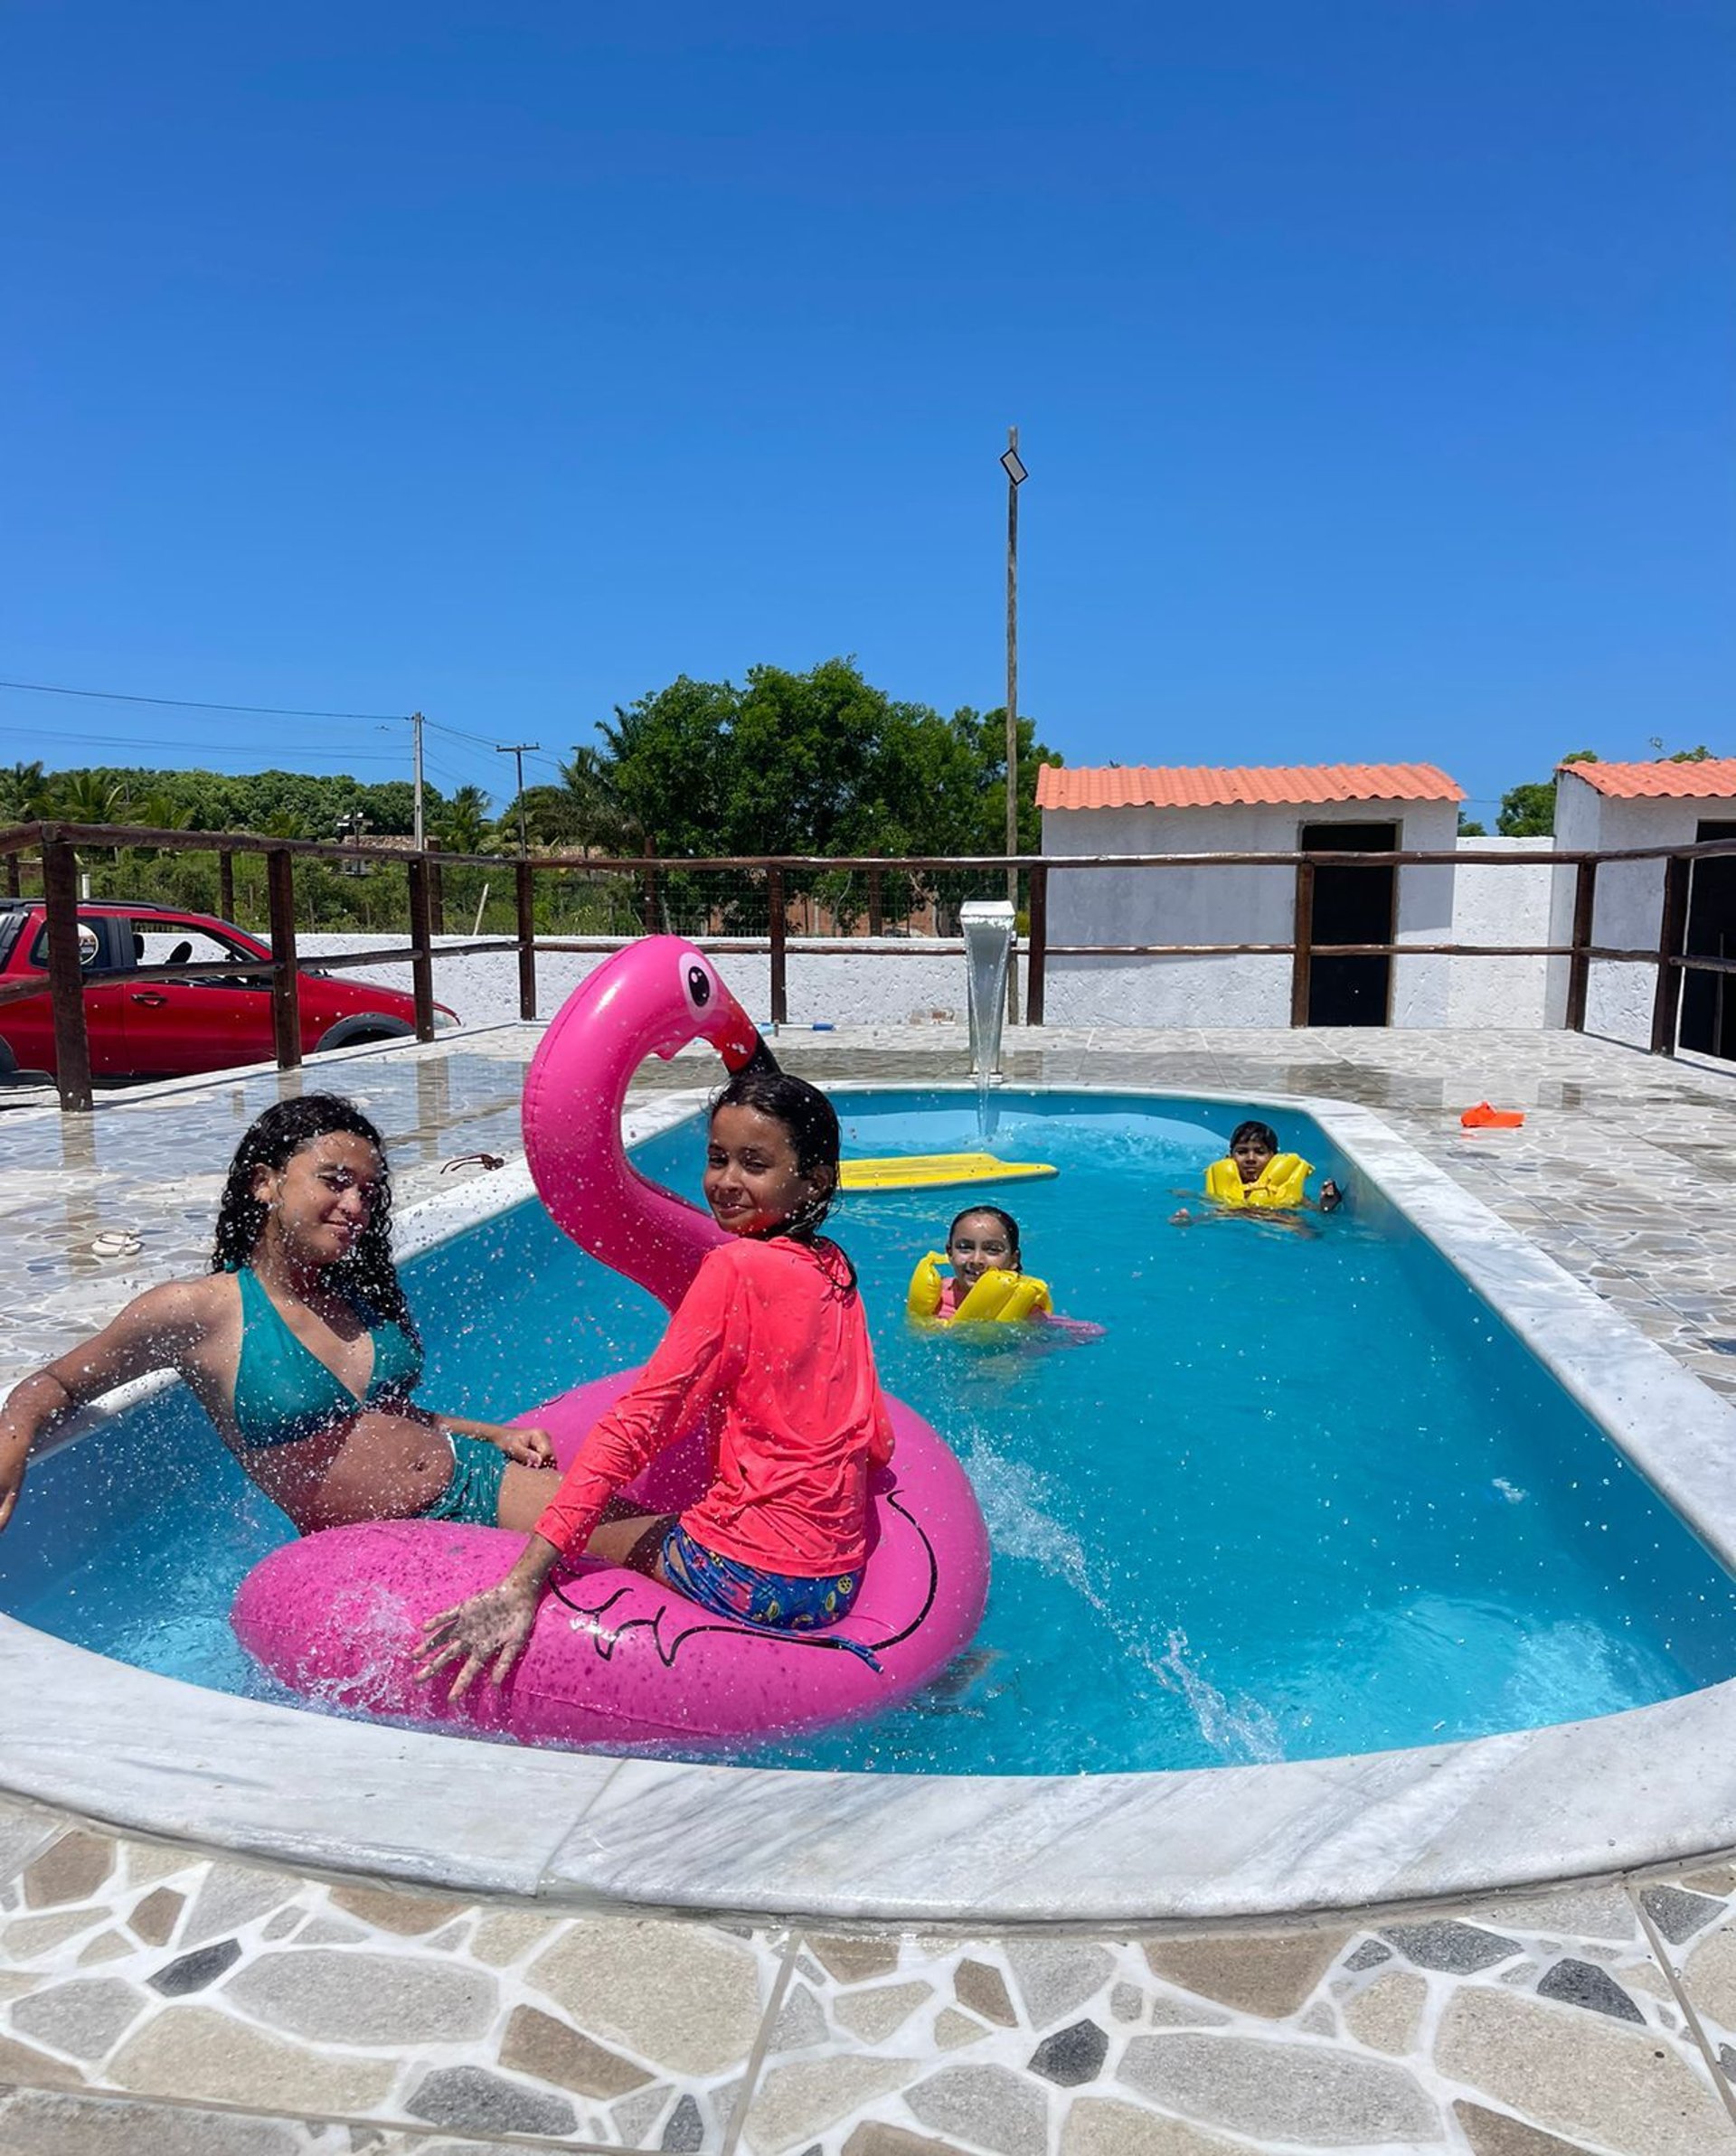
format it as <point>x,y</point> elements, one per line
<point>152,2001</point>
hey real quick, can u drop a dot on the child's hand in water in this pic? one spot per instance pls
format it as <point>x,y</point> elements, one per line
<point>487,1633</point>
<point>530,1448</point>
<point>1331,1196</point>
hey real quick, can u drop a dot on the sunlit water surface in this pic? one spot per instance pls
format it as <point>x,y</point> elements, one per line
<point>1306,1496</point>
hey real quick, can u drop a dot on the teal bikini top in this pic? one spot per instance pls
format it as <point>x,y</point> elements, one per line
<point>283,1391</point>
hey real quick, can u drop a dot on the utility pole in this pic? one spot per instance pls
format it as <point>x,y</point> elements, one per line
<point>518,751</point>
<point>1015,479</point>
<point>416,736</point>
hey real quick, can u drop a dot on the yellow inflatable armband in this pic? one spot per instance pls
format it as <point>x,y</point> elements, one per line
<point>998,1298</point>
<point>922,1299</point>
<point>1281,1182</point>
<point>1002,1298</point>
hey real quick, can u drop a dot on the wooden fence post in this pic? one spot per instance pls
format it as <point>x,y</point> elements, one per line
<point>436,889</point>
<point>286,986</point>
<point>526,939</point>
<point>226,886</point>
<point>421,954</point>
<point>1671,933</point>
<point>1579,967</point>
<point>1302,938</point>
<point>1037,955</point>
<point>65,974</point>
<point>876,902</point>
<point>779,927</point>
<point>650,893</point>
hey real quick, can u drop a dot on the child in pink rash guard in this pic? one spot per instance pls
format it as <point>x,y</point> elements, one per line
<point>769,1352</point>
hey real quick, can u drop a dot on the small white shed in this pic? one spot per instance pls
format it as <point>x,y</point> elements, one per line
<point>1605,806</point>
<point>1361,807</point>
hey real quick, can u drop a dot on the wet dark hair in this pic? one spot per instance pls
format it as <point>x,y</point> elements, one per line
<point>1263,1132</point>
<point>1009,1226</point>
<point>812,1124</point>
<point>272,1142</point>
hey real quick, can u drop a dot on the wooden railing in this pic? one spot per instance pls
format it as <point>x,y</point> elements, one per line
<point>58,845</point>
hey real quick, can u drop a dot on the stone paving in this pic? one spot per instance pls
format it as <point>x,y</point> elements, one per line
<point>156,2002</point>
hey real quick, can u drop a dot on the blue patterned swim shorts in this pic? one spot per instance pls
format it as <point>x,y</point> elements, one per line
<point>778,1601</point>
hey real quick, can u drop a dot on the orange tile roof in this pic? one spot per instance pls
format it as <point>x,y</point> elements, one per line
<point>1714,779</point>
<point>1137,786</point>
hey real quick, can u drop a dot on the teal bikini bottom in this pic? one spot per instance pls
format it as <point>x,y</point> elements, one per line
<point>472,1497</point>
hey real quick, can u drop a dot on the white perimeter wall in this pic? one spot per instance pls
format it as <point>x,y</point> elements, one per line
<point>1630,910</point>
<point>916,983</point>
<point>1227,905</point>
<point>1502,905</point>
<point>895,981</point>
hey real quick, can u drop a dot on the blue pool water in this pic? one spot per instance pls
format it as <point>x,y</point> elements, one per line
<point>1307,1496</point>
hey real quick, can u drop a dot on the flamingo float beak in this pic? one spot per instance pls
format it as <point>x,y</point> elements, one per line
<point>738,1040</point>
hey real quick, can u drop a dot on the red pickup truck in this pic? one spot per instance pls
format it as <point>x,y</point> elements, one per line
<point>169,1029</point>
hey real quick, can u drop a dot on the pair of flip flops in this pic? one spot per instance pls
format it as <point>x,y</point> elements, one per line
<point>1483,1117</point>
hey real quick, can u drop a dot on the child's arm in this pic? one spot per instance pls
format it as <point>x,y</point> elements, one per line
<point>156,1330</point>
<point>490,1630</point>
<point>529,1447</point>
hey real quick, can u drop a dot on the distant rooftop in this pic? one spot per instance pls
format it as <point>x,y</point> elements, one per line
<point>1713,779</point>
<point>1199,786</point>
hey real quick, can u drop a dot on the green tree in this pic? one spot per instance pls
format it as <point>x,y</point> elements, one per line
<point>25,794</point>
<point>1528,810</point>
<point>1470,828</point>
<point>462,825</point>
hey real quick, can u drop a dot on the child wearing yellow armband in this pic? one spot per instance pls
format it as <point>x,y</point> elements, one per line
<point>988,1280</point>
<point>1255,1177</point>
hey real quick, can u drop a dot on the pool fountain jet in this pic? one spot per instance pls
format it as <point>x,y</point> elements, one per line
<point>988,952</point>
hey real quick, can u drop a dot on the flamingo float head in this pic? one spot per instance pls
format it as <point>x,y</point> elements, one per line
<point>649,999</point>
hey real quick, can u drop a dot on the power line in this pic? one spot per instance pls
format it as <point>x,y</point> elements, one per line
<point>457,733</point>
<point>132,742</point>
<point>188,704</point>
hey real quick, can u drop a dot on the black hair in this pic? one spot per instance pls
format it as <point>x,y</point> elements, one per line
<point>812,1124</point>
<point>272,1142</point>
<point>1263,1132</point>
<point>1009,1225</point>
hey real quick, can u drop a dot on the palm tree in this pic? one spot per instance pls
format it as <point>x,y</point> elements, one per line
<point>25,798</point>
<point>24,794</point>
<point>602,818</point>
<point>463,823</point>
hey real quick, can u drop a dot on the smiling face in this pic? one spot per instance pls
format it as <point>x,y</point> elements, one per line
<point>979,1244</point>
<point>752,1181</point>
<point>321,1198</point>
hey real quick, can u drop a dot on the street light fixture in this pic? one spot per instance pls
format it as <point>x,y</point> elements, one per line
<point>1016,475</point>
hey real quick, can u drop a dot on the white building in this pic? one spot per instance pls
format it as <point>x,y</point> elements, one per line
<point>1364,807</point>
<point>1605,806</point>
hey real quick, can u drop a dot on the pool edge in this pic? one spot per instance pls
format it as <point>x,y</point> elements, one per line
<point>1621,1793</point>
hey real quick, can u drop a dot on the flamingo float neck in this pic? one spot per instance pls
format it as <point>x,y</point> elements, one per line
<point>651,999</point>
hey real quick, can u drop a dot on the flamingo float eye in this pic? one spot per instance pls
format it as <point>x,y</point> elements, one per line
<point>699,987</point>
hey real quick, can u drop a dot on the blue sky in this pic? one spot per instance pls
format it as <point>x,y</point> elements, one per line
<point>1374,363</point>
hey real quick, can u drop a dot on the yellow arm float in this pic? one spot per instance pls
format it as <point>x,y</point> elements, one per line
<point>922,1297</point>
<point>1282,1183</point>
<point>1002,1298</point>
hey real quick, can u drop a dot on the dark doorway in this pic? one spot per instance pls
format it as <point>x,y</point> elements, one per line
<point>1352,906</point>
<point>1709,1000</point>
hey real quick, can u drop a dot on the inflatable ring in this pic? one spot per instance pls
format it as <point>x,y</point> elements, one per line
<point>617,1657</point>
<point>1280,1184</point>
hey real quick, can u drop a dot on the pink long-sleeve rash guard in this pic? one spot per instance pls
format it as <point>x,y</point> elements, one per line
<point>769,1352</point>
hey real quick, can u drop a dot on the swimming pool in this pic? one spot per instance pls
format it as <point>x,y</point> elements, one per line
<point>1309,1496</point>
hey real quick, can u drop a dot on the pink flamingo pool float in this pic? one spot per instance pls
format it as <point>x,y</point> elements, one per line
<point>615,1658</point>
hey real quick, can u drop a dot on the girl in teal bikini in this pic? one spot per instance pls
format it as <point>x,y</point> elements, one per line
<point>300,1347</point>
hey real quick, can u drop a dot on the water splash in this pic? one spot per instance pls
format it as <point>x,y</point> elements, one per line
<point>1019,1504</point>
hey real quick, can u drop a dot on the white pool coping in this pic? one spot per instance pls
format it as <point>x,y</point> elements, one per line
<point>154,1755</point>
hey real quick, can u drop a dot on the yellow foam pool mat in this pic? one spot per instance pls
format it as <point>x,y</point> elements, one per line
<point>938,1171</point>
